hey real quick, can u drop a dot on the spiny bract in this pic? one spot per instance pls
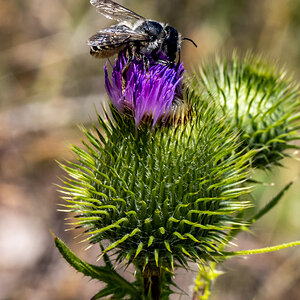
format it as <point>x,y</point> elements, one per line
<point>160,196</point>
<point>258,100</point>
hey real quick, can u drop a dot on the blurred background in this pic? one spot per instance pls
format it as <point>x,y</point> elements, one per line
<point>49,84</point>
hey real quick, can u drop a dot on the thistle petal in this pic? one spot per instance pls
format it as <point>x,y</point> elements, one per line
<point>149,94</point>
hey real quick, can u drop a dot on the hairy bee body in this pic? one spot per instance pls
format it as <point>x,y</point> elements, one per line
<point>143,37</point>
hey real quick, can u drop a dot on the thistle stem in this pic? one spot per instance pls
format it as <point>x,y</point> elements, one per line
<point>152,286</point>
<point>152,283</point>
<point>155,287</point>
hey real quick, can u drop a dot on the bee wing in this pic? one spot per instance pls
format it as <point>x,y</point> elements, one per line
<point>116,35</point>
<point>115,11</point>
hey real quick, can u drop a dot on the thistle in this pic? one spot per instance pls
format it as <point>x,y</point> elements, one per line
<point>161,194</point>
<point>160,181</point>
<point>152,93</point>
<point>258,100</point>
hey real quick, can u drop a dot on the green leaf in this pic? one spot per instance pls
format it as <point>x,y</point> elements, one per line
<point>105,292</point>
<point>115,284</point>
<point>271,204</point>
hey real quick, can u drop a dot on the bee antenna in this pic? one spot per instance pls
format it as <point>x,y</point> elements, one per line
<point>190,40</point>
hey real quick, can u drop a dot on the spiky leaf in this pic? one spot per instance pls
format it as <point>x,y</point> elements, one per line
<point>116,285</point>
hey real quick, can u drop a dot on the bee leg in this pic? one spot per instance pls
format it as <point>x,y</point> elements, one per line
<point>155,57</point>
<point>146,62</point>
<point>158,60</point>
<point>178,63</point>
<point>125,69</point>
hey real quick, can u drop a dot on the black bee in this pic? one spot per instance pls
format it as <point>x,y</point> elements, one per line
<point>143,38</point>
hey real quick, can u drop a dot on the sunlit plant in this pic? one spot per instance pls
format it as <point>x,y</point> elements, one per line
<point>258,99</point>
<point>162,179</point>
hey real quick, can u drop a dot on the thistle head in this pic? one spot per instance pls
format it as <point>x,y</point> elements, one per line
<point>151,94</point>
<point>258,100</point>
<point>160,197</point>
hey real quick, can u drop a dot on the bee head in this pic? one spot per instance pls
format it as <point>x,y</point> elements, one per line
<point>170,44</point>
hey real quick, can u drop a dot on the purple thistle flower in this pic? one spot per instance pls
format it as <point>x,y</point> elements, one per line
<point>148,93</point>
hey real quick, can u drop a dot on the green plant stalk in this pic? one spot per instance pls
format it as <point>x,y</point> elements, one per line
<point>261,212</point>
<point>207,275</point>
<point>152,286</point>
<point>152,283</point>
<point>260,250</point>
<point>270,205</point>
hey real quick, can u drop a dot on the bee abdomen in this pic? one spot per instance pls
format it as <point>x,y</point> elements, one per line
<point>105,51</point>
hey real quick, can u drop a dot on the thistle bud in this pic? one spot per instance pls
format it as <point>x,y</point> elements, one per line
<point>258,100</point>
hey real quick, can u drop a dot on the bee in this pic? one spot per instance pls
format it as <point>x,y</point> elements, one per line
<point>143,38</point>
